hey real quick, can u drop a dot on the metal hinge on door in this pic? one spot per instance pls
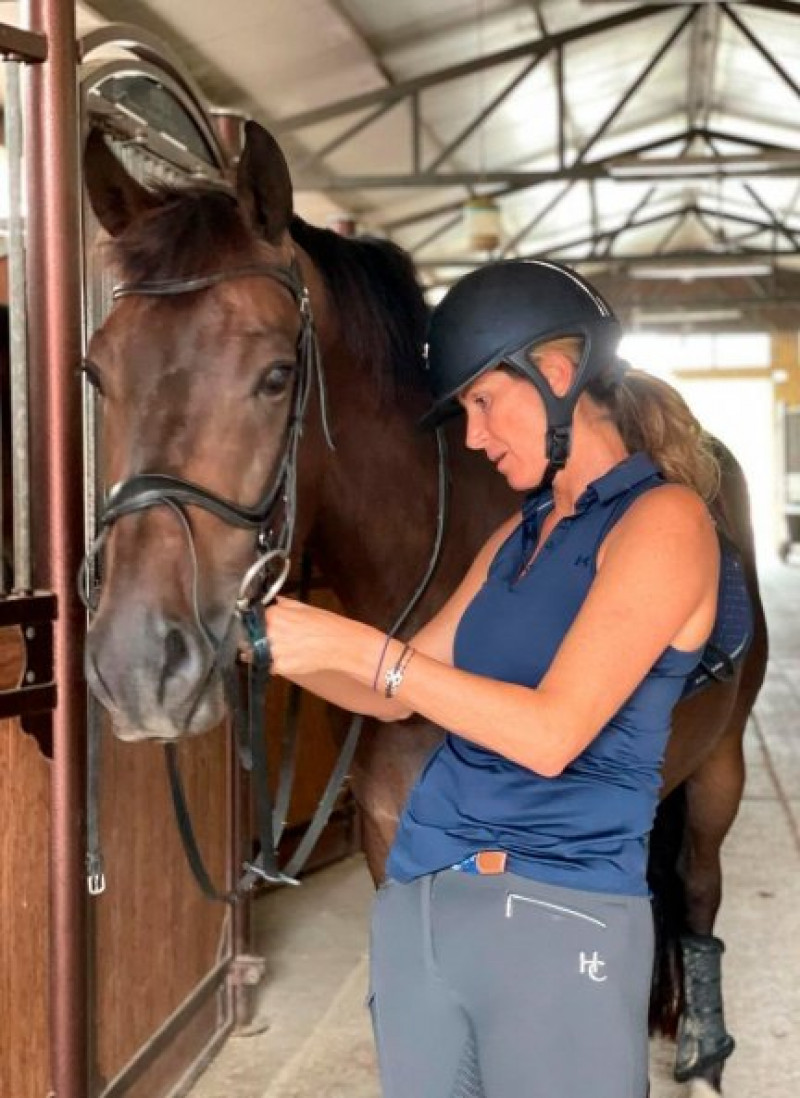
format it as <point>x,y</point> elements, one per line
<point>26,659</point>
<point>247,970</point>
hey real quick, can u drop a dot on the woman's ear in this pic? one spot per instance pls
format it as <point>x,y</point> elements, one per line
<point>557,370</point>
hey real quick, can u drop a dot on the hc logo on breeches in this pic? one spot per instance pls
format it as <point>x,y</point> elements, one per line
<point>592,966</point>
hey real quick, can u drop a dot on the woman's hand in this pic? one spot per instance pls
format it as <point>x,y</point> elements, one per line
<point>305,640</point>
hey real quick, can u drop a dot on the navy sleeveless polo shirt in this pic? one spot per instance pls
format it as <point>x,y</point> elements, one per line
<point>586,828</point>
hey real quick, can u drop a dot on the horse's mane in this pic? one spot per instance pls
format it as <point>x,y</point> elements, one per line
<point>375,290</point>
<point>199,229</point>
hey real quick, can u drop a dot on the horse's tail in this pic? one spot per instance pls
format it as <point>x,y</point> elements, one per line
<point>669,913</point>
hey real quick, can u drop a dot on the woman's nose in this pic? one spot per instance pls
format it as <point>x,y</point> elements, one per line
<point>475,438</point>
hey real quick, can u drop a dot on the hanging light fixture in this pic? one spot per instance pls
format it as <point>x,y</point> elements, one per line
<point>483,223</point>
<point>342,223</point>
<point>482,217</point>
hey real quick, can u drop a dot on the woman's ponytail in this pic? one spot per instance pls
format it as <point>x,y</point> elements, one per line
<point>654,417</point>
<point>651,416</point>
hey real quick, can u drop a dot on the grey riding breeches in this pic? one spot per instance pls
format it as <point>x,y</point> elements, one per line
<point>502,987</point>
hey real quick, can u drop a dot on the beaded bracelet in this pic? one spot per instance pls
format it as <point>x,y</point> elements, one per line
<point>394,676</point>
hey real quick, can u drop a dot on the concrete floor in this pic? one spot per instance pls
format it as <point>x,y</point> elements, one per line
<point>312,1038</point>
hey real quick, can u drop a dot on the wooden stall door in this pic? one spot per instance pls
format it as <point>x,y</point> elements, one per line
<point>161,948</point>
<point>24,862</point>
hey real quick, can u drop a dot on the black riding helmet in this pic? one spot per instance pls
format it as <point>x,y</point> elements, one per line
<point>495,315</point>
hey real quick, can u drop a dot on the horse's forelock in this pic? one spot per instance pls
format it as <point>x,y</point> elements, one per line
<point>196,230</point>
<point>191,232</point>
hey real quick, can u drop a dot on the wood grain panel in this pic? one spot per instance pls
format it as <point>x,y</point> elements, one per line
<point>189,1048</point>
<point>12,657</point>
<point>24,859</point>
<point>156,935</point>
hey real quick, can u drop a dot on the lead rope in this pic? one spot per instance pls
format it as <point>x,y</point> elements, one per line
<point>258,676</point>
<point>333,787</point>
<point>249,734</point>
<point>272,819</point>
<point>288,761</point>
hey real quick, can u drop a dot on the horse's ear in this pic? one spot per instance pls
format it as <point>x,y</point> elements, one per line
<point>116,198</point>
<point>263,183</point>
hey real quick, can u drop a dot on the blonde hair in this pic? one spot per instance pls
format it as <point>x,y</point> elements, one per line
<point>651,416</point>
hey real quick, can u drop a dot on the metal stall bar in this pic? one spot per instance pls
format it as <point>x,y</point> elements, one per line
<point>17,342</point>
<point>53,270</point>
<point>34,698</point>
<point>17,47</point>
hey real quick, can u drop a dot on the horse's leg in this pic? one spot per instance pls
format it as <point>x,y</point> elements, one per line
<point>386,766</point>
<point>713,794</point>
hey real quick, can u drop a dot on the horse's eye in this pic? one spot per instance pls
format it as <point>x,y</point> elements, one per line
<point>92,375</point>
<point>274,381</point>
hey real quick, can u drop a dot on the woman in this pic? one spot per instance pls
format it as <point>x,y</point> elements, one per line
<point>512,944</point>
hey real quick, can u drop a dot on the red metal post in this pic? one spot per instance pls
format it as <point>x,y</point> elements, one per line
<point>53,277</point>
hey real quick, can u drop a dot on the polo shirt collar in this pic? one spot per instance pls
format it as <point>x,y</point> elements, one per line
<point>627,474</point>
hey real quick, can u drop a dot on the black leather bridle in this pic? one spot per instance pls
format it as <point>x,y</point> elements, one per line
<point>259,586</point>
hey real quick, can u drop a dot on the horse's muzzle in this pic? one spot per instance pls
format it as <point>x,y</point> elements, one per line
<point>157,678</point>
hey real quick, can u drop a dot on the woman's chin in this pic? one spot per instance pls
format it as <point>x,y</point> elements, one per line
<point>524,483</point>
<point>517,480</point>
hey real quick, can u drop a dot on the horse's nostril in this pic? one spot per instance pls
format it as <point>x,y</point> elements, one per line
<point>176,651</point>
<point>181,667</point>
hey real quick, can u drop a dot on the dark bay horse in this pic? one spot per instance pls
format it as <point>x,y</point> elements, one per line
<point>197,365</point>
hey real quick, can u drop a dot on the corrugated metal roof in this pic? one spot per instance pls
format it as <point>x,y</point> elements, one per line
<point>396,113</point>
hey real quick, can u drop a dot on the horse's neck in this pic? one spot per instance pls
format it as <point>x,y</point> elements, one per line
<point>377,510</point>
<point>375,523</point>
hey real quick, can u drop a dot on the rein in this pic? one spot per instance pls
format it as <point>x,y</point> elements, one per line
<point>259,586</point>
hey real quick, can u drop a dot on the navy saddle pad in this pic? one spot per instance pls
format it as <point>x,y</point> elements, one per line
<point>733,629</point>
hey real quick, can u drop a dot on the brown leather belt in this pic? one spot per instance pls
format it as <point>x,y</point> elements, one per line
<point>484,862</point>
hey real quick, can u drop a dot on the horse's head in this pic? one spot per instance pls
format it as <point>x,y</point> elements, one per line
<point>198,374</point>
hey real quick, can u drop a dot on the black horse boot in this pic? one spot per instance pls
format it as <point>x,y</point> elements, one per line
<point>702,1038</point>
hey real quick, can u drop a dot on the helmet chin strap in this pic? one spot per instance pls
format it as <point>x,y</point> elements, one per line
<point>598,349</point>
<point>558,440</point>
<point>557,449</point>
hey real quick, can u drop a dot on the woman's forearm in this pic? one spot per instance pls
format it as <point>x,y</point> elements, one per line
<point>497,715</point>
<point>347,693</point>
